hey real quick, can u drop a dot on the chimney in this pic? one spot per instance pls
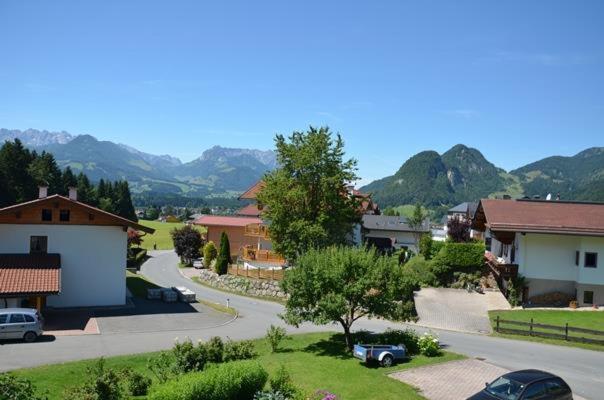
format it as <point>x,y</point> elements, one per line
<point>42,192</point>
<point>73,193</point>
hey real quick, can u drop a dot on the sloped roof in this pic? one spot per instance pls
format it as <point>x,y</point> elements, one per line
<point>252,192</point>
<point>541,216</point>
<point>112,218</point>
<point>217,220</point>
<point>251,210</point>
<point>30,274</point>
<point>389,223</point>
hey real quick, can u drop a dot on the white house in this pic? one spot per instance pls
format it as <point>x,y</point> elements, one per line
<point>556,245</point>
<point>387,232</point>
<point>58,252</point>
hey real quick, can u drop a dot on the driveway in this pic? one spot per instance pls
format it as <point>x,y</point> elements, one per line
<point>469,376</point>
<point>582,369</point>
<point>455,309</point>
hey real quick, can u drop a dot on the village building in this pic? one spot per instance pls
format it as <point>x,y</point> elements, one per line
<point>58,252</point>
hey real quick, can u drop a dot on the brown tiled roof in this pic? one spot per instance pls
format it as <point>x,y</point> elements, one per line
<point>252,192</point>
<point>251,210</point>
<point>541,216</point>
<point>22,274</point>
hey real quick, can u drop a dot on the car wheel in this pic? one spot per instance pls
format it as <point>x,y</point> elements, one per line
<point>30,336</point>
<point>387,361</point>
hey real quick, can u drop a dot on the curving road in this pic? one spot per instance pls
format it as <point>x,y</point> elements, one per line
<point>582,369</point>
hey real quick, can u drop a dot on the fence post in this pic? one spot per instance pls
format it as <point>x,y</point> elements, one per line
<point>497,329</point>
<point>531,328</point>
<point>273,274</point>
<point>258,273</point>
<point>566,332</point>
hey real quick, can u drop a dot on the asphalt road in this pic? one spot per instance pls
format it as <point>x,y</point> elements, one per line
<point>582,369</point>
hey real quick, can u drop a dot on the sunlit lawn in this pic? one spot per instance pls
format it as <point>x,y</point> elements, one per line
<point>161,237</point>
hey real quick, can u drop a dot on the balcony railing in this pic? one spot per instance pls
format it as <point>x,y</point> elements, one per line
<point>257,230</point>
<point>252,254</point>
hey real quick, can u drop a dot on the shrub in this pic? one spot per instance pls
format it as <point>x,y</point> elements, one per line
<point>162,366</point>
<point>209,253</point>
<point>102,384</point>
<point>466,280</point>
<point>419,271</point>
<point>15,388</point>
<point>270,395</point>
<point>436,247</point>
<point>324,395</point>
<point>242,350</point>
<point>425,245</point>
<point>135,383</point>
<point>187,242</point>
<point>274,336</point>
<point>188,357</point>
<point>224,255</point>
<point>429,345</point>
<point>457,257</point>
<point>282,383</point>
<point>237,380</point>
<point>214,350</point>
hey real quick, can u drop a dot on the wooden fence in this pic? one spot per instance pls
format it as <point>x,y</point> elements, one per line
<point>258,273</point>
<point>534,329</point>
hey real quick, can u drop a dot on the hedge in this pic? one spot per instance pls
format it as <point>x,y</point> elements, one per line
<point>238,380</point>
<point>457,257</point>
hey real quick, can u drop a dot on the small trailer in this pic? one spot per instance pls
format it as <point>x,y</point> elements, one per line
<point>385,354</point>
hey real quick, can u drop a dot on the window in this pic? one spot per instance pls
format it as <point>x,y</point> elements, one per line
<point>38,244</point>
<point>534,391</point>
<point>3,318</point>
<point>17,319</point>
<point>64,215</point>
<point>588,297</point>
<point>29,318</point>
<point>46,214</point>
<point>591,260</point>
<point>487,243</point>
<point>557,387</point>
<point>577,257</point>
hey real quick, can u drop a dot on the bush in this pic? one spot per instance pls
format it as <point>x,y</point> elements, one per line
<point>135,383</point>
<point>15,388</point>
<point>425,245</point>
<point>209,253</point>
<point>465,280</point>
<point>102,384</point>
<point>457,257</point>
<point>237,380</point>
<point>242,350</point>
<point>419,271</point>
<point>214,350</point>
<point>189,357</point>
<point>274,336</point>
<point>282,383</point>
<point>324,395</point>
<point>224,255</point>
<point>270,395</point>
<point>429,345</point>
<point>162,366</point>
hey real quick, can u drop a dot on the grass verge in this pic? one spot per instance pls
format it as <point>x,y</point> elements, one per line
<point>218,307</point>
<point>315,361</point>
<point>578,319</point>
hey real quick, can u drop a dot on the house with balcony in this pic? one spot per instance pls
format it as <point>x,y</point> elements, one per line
<point>557,245</point>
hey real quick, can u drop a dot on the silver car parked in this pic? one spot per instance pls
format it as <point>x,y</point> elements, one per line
<point>20,323</point>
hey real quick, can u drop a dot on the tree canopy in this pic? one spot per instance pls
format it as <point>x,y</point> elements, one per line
<point>305,198</point>
<point>343,284</point>
<point>187,243</point>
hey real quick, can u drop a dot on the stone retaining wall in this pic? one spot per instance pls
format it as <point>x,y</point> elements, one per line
<point>239,284</point>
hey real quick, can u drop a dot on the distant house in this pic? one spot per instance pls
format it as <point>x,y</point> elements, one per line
<point>58,252</point>
<point>390,232</point>
<point>557,245</point>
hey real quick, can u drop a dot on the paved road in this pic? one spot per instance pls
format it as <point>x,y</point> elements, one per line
<point>582,369</point>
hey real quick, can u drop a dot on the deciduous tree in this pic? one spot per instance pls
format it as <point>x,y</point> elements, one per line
<point>306,198</point>
<point>187,242</point>
<point>343,284</point>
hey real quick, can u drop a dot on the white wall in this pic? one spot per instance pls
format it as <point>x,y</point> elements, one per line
<point>93,260</point>
<point>592,276</point>
<point>549,256</point>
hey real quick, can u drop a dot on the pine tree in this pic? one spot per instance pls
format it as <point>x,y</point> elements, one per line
<point>123,201</point>
<point>224,255</point>
<point>68,180</point>
<point>44,171</point>
<point>14,163</point>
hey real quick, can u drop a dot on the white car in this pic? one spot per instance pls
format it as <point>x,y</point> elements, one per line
<point>20,323</point>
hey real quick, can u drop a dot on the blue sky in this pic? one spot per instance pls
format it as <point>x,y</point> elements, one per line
<point>520,80</point>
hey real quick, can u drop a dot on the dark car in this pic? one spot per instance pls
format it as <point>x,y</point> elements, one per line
<point>529,384</point>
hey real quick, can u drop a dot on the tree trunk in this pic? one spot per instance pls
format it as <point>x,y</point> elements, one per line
<point>348,337</point>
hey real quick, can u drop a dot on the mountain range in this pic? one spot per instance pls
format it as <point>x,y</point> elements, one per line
<point>437,180</point>
<point>463,174</point>
<point>218,171</point>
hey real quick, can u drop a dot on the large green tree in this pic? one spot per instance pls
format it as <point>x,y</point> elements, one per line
<point>343,284</point>
<point>416,222</point>
<point>305,198</point>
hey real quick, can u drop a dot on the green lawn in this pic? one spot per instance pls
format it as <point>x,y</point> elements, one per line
<point>315,361</point>
<point>138,285</point>
<point>578,319</point>
<point>161,237</point>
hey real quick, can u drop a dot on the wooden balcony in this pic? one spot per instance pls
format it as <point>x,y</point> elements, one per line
<point>257,230</point>
<point>252,254</point>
